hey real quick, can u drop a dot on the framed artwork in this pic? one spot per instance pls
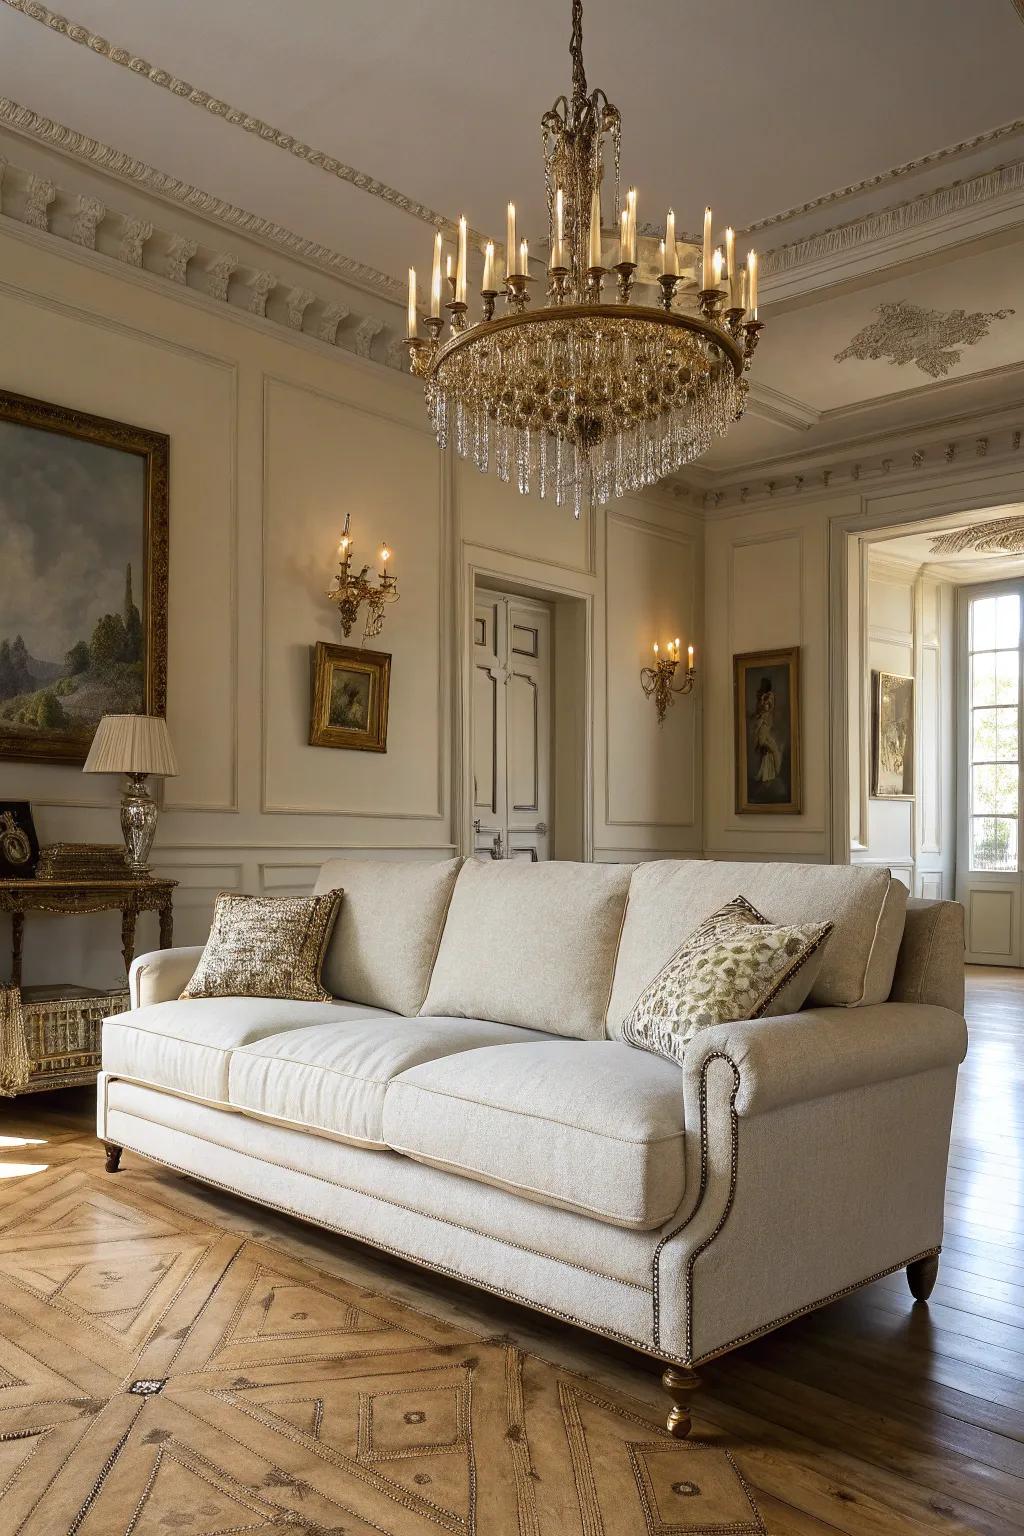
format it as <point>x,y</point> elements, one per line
<point>767,732</point>
<point>892,736</point>
<point>19,846</point>
<point>83,578</point>
<point>350,698</point>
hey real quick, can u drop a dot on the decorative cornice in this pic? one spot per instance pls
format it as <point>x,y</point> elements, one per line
<point>236,117</point>
<point>942,203</point>
<point>214,277</point>
<point>897,173</point>
<point>114,162</point>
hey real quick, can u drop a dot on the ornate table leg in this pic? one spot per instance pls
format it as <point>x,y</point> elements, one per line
<point>129,913</point>
<point>166,923</point>
<point>17,941</point>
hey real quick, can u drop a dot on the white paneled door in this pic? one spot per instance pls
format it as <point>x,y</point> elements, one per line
<point>989,876</point>
<point>511,727</point>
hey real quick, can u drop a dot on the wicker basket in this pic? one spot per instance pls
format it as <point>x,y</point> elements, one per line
<point>63,1027</point>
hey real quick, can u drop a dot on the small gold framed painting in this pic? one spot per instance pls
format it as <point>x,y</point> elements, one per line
<point>350,698</point>
<point>892,736</point>
<point>766,691</point>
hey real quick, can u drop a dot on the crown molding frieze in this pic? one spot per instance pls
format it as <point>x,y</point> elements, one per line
<point>102,157</point>
<point>895,174</point>
<point>901,457</point>
<point>100,233</point>
<point>235,117</point>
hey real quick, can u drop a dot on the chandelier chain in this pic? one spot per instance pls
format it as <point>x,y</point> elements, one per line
<point>579,74</point>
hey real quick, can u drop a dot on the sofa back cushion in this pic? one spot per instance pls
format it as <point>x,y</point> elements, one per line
<point>531,944</point>
<point>388,929</point>
<point>669,898</point>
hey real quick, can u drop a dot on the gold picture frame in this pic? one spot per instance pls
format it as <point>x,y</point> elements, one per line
<point>766,697</point>
<point>350,698</point>
<point>114,512</point>
<point>893,736</point>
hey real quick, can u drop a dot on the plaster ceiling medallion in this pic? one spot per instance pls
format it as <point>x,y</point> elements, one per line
<point>930,338</point>
<point>1001,536</point>
<point>582,398</point>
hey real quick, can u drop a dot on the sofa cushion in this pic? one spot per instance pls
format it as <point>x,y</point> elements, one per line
<point>592,1126</point>
<point>332,1078</point>
<point>531,944</point>
<point>388,929</point>
<point>669,899</point>
<point>185,1045</point>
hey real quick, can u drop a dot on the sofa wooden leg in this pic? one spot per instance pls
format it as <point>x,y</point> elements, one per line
<point>113,1156</point>
<point>921,1276</point>
<point>680,1384</point>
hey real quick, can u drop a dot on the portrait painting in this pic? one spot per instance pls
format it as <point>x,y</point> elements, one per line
<point>350,698</point>
<point>83,576</point>
<point>767,731</point>
<point>892,736</point>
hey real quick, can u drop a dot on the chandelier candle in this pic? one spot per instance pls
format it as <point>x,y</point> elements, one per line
<point>572,396</point>
<point>414,329</point>
<point>435,279</point>
<point>730,264</point>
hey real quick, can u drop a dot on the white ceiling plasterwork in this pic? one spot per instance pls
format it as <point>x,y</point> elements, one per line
<point>387,91</point>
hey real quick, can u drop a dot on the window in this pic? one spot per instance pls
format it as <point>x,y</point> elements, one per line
<point>994,743</point>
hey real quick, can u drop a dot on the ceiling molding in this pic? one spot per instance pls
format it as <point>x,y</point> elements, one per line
<point>236,117</point>
<point>114,162</point>
<point>944,202</point>
<point>898,172</point>
<point>772,405</point>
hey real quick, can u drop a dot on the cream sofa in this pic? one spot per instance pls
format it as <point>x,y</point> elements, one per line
<point>468,1102</point>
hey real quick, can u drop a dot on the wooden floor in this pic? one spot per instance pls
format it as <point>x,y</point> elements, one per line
<point>872,1416</point>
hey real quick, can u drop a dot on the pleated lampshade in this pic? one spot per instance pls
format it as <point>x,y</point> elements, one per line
<point>132,744</point>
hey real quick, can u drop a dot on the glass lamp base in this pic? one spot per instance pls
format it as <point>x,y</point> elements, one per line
<point>138,822</point>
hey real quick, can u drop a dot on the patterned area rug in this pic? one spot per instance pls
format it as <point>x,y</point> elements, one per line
<point>164,1376</point>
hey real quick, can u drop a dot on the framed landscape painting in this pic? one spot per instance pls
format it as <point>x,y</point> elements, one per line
<point>350,698</point>
<point>767,729</point>
<point>83,576</point>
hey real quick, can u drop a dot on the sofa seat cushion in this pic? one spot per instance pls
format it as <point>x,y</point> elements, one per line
<point>590,1125</point>
<point>185,1045</point>
<point>332,1078</point>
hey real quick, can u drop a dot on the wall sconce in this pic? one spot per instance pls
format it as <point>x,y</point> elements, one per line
<point>352,591</point>
<point>657,681</point>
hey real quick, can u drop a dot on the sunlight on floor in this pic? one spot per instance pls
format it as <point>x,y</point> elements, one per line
<point>20,1170</point>
<point>21,1141</point>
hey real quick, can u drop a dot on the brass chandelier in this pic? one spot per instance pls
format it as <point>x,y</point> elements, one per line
<point>584,398</point>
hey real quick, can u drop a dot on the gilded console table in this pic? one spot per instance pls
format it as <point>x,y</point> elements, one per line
<point>73,897</point>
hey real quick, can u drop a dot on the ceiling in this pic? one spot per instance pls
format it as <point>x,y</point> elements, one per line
<point>915,549</point>
<point>758,109</point>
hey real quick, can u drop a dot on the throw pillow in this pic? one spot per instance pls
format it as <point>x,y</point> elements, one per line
<point>733,966</point>
<point>266,946</point>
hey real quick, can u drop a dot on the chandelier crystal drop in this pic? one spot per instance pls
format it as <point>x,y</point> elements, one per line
<point>584,397</point>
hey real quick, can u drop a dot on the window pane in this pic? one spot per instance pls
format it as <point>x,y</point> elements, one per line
<point>993,843</point>
<point>983,678</point>
<point>1007,676</point>
<point>1008,620</point>
<point>983,623</point>
<point>994,738</point>
<point>995,790</point>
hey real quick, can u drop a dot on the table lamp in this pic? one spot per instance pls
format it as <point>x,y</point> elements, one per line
<point>136,745</point>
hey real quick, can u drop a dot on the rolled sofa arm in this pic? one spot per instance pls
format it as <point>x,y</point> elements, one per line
<point>821,1051</point>
<point>162,975</point>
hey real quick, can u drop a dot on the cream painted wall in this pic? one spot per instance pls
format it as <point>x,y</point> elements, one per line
<point>273,438</point>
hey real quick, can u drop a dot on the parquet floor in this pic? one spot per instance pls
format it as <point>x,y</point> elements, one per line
<point>870,1417</point>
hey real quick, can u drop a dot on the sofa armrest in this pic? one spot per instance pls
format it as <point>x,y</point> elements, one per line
<point>161,975</point>
<point>798,1057</point>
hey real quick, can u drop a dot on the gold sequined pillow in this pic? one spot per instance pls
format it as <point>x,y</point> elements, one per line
<point>266,946</point>
<point>734,966</point>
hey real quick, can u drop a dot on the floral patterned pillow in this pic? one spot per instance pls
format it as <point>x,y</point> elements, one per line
<point>733,966</point>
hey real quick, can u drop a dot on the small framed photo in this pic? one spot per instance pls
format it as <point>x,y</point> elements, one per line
<point>767,732</point>
<point>892,736</point>
<point>19,846</point>
<point>350,698</point>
